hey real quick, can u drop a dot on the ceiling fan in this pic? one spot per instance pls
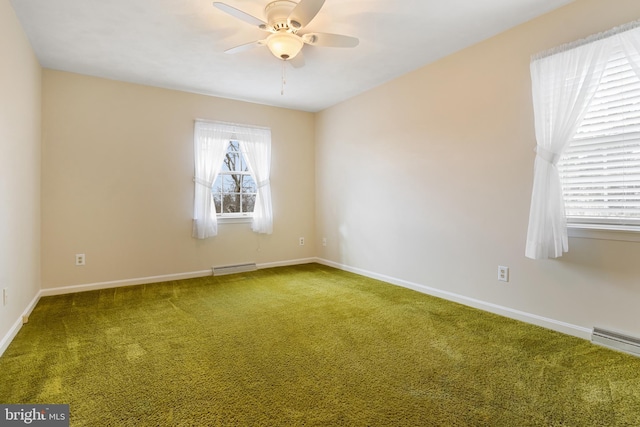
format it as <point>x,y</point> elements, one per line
<point>284,20</point>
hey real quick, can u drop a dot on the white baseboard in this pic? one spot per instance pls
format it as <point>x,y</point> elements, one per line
<point>15,328</point>
<point>556,325</point>
<point>120,283</point>
<point>156,279</point>
<point>287,263</point>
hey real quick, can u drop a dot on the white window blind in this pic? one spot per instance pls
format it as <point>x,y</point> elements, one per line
<point>600,171</point>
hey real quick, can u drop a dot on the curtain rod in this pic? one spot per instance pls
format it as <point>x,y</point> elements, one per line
<point>230,124</point>
<point>577,43</point>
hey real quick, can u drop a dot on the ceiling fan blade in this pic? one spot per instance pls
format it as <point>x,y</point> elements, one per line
<point>304,12</point>
<point>246,46</point>
<point>297,61</point>
<point>243,16</point>
<point>330,40</point>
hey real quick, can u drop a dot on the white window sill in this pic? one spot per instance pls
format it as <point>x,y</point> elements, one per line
<point>583,231</point>
<point>234,219</point>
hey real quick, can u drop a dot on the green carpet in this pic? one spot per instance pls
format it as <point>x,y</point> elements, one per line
<point>306,346</point>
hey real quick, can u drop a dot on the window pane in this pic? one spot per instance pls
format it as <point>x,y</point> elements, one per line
<point>231,183</point>
<point>231,161</point>
<point>234,192</point>
<point>225,164</point>
<point>249,201</point>
<point>231,203</point>
<point>217,185</point>
<point>217,201</point>
<point>243,164</point>
<point>248,184</point>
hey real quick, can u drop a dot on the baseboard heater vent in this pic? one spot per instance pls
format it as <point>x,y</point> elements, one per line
<point>616,341</point>
<point>231,269</point>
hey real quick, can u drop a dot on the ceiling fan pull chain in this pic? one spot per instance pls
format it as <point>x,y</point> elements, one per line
<point>284,77</point>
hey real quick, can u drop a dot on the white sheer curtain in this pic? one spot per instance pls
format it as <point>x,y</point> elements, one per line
<point>631,44</point>
<point>210,145</point>
<point>563,84</point>
<point>256,145</point>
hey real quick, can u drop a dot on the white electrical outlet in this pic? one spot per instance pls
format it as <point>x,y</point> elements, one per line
<point>5,296</point>
<point>81,259</point>
<point>302,241</point>
<point>324,241</point>
<point>503,273</point>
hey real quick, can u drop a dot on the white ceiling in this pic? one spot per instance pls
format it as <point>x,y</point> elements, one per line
<point>179,44</point>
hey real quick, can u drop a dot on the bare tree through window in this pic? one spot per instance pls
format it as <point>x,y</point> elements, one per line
<point>234,191</point>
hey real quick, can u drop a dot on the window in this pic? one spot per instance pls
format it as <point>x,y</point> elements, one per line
<point>587,168</point>
<point>600,170</point>
<point>232,176</point>
<point>234,190</point>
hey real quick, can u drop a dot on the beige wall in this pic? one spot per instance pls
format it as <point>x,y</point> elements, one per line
<point>117,168</point>
<point>427,179</point>
<point>19,172</point>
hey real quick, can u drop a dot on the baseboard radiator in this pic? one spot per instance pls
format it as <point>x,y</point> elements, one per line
<point>231,269</point>
<point>616,341</point>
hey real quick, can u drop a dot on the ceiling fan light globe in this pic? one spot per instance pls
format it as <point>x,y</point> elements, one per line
<point>284,45</point>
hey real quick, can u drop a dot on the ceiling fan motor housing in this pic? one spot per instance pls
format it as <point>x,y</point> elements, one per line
<point>277,14</point>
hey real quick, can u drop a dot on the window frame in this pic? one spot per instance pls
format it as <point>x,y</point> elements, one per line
<point>583,231</point>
